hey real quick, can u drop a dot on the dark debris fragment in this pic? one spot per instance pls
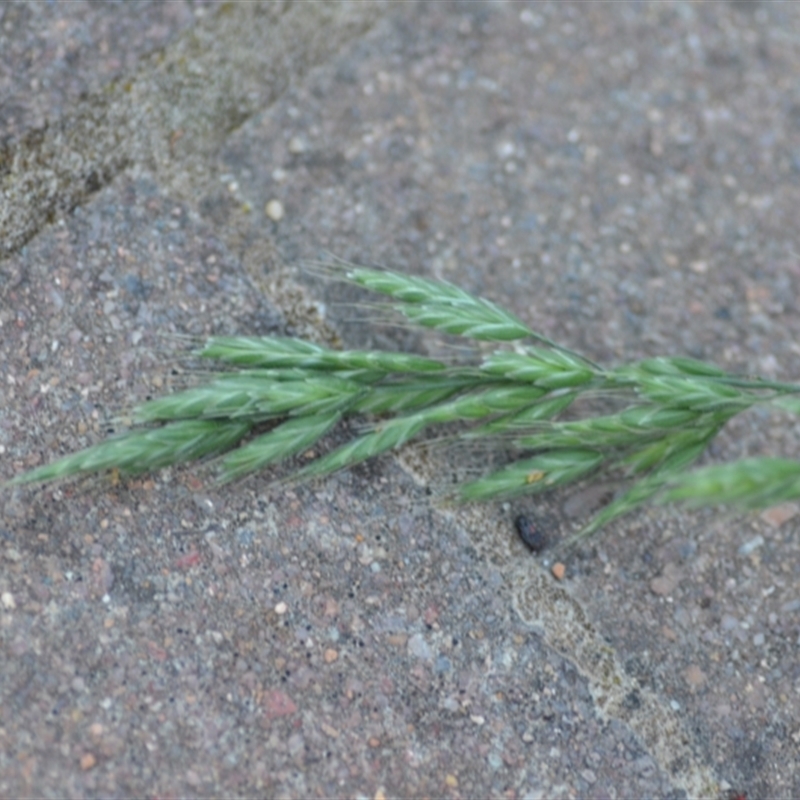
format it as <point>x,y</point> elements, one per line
<point>530,533</point>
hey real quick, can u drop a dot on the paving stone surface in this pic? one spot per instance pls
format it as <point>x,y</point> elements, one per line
<point>624,177</point>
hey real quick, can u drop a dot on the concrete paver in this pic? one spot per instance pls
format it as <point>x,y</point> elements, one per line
<point>624,178</point>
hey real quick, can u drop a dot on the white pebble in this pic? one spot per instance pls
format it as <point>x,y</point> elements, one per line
<point>281,608</point>
<point>8,602</point>
<point>274,210</point>
<point>419,648</point>
<point>297,145</point>
<point>505,149</point>
<point>751,546</point>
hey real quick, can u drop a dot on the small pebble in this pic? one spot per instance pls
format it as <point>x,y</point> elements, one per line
<point>694,676</point>
<point>329,730</point>
<point>274,210</point>
<point>669,633</point>
<point>297,145</point>
<point>192,778</point>
<point>750,547</point>
<point>7,601</point>
<point>278,704</point>
<point>728,622</point>
<point>88,761</point>
<point>777,515</point>
<point>281,608</point>
<point>419,648</point>
<point>330,655</point>
<point>589,776</point>
<point>666,583</point>
<point>558,570</point>
<point>661,586</point>
<point>451,781</point>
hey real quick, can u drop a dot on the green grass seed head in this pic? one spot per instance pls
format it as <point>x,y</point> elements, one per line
<point>672,409</point>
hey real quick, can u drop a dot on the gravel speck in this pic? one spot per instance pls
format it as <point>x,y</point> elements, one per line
<point>666,583</point>
<point>278,704</point>
<point>419,648</point>
<point>297,145</point>
<point>694,676</point>
<point>751,546</point>
<point>729,623</point>
<point>274,210</point>
<point>329,730</point>
<point>87,761</point>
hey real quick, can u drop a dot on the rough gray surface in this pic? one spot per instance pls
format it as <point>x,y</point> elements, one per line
<point>172,114</point>
<point>51,54</point>
<point>624,177</point>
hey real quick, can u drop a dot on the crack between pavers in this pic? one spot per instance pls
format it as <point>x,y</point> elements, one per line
<point>549,607</point>
<point>174,113</point>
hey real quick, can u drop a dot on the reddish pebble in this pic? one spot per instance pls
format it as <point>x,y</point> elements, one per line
<point>778,515</point>
<point>558,570</point>
<point>191,559</point>
<point>88,761</point>
<point>278,704</point>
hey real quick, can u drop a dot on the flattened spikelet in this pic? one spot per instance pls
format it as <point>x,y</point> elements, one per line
<point>266,352</point>
<point>293,436</point>
<point>145,450</point>
<point>253,395</point>
<point>537,474</point>
<point>440,305</point>
<point>751,483</point>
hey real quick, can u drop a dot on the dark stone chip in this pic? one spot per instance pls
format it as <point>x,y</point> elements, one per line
<point>530,534</point>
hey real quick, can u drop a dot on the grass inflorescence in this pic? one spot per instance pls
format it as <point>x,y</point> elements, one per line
<point>279,396</point>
